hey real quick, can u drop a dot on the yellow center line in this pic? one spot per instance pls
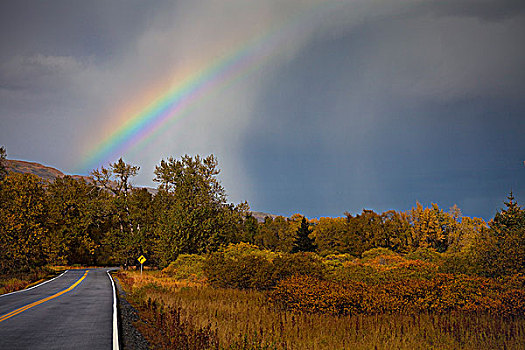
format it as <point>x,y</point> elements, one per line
<point>24,308</point>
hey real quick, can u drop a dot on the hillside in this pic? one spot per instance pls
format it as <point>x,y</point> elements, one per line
<point>43,171</point>
<point>260,216</point>
<point>47,172</point>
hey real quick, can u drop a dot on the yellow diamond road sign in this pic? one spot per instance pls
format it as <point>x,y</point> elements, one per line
<point>141,259</point>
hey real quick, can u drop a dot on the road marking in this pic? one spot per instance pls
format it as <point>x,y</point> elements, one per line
<point>38,302</point>
<point>115,322</point>
<point>38,285</point>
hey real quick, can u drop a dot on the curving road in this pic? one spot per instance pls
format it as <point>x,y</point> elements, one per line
<point>72,311</point>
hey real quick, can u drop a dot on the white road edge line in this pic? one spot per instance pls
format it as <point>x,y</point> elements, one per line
<point>38,285</point>
<point>115,322</point>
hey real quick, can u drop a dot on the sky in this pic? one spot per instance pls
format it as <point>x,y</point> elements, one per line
<point>312,107</point>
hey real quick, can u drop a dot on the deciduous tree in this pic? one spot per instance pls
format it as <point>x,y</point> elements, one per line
<point>193,215</point>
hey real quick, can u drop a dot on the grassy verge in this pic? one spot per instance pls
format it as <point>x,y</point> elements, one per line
<point>22,280</point>
<point>177,312</point>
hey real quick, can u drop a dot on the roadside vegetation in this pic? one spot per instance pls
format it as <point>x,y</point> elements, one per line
<point>219,278</point>
<point>302,312</point>
<point>16,281</point>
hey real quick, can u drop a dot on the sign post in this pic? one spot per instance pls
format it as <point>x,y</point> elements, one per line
<point>141,260</point>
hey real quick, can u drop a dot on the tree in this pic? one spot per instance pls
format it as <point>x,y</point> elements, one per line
<point>274,234</point>
<point>510,218</point>
<point>327,233</point>
<point>508,237</point>
<point>193,215</point>
<point>250,229</point>
<point>143,217</point>
<point>303,243</point>
<point>364,232</point>
<point>396,230</point>
<point>430,227</point>
<point>24,237</point>
<point>3,161</point>
<point>78,218</point>
<point>116,180</point>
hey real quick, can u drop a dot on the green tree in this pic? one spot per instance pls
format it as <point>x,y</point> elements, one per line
<point>250,229</point>
<point>507,231</point>
<point>78,217</point>
<point>396,231</point>
<point>116,180</point>
<point>303,242</point>
<point>193,215</point>
<point>143,218</point>
<point>364,231</point>
<point>275,234</point>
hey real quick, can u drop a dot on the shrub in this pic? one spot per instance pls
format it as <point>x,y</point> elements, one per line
<point>302,263</point>
<point>250,271</point>
<point>338,259</point>
<point>377,252</point>
<point>457,263</point>
<point>240,250</point>
<point>411,269</point>
<point>424,254</point>
<point>444,293</point>
<point>355,272</point>
<point>309,294</point>
<point>244,266</point>
<point>186,266</point>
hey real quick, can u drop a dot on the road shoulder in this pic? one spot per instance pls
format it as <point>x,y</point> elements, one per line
<point>130,337</point>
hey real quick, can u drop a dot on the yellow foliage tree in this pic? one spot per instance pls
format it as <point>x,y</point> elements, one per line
<point>23,233</point>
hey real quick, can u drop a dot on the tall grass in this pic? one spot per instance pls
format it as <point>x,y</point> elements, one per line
<point>13,282</point>
<point>244,319</point>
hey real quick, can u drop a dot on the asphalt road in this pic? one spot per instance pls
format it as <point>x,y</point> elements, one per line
<point>73,311</point>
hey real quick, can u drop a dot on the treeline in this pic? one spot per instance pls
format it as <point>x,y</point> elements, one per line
<point>467,245</point>
<point>108,221</point>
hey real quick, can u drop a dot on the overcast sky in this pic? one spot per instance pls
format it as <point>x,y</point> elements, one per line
<point>358,104</point>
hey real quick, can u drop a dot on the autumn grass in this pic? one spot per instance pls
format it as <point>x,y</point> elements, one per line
<point>13,282</point>
<point>22,280</point>
<point>244,319</point>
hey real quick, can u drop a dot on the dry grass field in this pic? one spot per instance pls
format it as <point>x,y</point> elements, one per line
<point>181,312</point>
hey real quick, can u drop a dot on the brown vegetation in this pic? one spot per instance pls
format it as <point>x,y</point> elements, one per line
<point>18,281</point>
<point>244,319</point>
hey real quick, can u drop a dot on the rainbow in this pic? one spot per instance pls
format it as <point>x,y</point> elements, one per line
<point>179,100</point>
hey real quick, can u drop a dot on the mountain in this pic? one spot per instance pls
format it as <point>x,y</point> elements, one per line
<point>260,216</point>
<point>45,172</point>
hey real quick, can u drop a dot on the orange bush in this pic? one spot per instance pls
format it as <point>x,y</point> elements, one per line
<point>444,293</point>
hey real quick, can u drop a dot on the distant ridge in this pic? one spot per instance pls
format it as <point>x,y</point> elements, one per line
<point>48,173</point>
<point>260,216</point>
<point>42,171</point>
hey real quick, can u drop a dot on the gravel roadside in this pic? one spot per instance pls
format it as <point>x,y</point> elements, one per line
<point>130,337</point>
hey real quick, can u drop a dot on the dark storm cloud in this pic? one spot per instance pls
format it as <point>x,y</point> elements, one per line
<point>372,104</point>
<point>71,28</point>
<point>405,108</point>
<point>491,10</point>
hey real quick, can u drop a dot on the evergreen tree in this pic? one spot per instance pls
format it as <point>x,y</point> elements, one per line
<point>303,243</point>
<point>501,250</point>
<point>512,217</point>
